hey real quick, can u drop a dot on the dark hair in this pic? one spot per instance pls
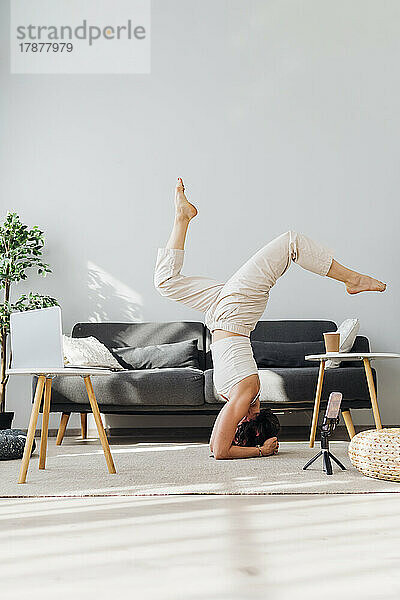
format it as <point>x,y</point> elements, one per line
<point>255,431</point>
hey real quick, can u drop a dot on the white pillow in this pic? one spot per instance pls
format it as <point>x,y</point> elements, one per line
<point>88,352</point>
<point>348,332</point>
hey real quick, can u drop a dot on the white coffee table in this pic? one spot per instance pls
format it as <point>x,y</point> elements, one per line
<point>366,357</point>
<point>45,377</point>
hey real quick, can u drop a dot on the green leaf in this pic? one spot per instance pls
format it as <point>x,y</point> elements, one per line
<point>21,249</point>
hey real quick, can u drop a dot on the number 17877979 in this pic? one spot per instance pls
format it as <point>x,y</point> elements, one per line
<point>46,47</point>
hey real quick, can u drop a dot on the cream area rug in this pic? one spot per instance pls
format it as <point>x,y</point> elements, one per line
<point>78,468</point>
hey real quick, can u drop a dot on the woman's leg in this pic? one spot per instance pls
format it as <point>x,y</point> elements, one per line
<point>196,292</point>
<point>184,213</point>
<point>355,282</point>
<point>244,297</point>
<point>263,269</point>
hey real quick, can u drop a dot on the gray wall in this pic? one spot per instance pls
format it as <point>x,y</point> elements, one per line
<point>278,115</point>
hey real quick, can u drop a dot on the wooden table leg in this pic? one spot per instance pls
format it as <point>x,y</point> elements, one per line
<point>372,393</point>
<point>45,424</point>
<point>31,429</point>
<point>84,425</point>
<point>349,423</point>
<point>99,424</point>
<point>317,403</point>
<point>63,426</point>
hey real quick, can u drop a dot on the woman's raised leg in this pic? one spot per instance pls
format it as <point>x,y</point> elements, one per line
<point>262,270</point>
<point>196,292</point>
<point>184,213</point>
<point>355,282</point>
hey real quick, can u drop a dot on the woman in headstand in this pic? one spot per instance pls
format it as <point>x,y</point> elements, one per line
<point>232,310</point>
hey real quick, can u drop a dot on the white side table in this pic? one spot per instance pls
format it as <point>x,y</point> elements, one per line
<point>44,383</point>
<point>366,357</point>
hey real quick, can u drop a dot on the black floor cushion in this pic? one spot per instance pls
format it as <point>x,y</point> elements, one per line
<point>12,443</point>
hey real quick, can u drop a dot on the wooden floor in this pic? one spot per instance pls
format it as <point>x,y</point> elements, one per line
<point>202,548</point>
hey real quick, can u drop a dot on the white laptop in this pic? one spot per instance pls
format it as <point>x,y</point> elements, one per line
<point>36,340</point>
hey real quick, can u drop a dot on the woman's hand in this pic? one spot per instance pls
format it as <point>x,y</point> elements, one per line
<point>270,446</point>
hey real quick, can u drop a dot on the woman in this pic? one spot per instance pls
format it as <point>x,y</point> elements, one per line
<point>232,310</point>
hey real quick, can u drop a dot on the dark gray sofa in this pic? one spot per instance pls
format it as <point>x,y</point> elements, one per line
<point>190,390</point>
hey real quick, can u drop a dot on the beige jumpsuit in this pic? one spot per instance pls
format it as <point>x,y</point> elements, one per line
<point>238,304</point>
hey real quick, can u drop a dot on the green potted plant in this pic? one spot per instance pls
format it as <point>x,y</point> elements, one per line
<point>20,249</point>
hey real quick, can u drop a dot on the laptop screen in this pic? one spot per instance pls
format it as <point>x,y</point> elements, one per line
<point>36,339</point>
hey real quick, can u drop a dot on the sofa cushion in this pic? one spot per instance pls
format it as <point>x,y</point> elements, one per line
<point>151,387</point>
<point>116,335</point>
<point>284,354</point>
<point>298,385</point>
<point>292,330</point>
<point>289,330</point>
<point>348,332</point>
<point>179,354</point>
<point>88,352</point>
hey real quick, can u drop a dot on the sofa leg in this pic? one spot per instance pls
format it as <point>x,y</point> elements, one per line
<point>84,425</point>
<point>349,423</point>
<point>63,426</point>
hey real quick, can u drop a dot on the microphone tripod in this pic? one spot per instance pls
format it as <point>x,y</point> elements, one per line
<point>327,429</point>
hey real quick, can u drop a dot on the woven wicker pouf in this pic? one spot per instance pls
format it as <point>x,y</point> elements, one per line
<point>376,453</point>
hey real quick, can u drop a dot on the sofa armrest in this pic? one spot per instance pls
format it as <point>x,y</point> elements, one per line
<point>361,344</point>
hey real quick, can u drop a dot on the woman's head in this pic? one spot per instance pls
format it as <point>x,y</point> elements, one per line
<point>253,432</point>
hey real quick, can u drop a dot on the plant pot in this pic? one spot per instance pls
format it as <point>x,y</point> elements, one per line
<point>6,418</point>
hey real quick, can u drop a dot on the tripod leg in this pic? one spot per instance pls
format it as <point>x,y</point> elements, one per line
<point>310,462</point>
<point>327,464</point>
<point>337,461</point>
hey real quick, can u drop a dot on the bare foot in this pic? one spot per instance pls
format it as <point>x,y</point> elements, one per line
<point>364,283</point>
<point>270,446</point>
<point>183,208</point>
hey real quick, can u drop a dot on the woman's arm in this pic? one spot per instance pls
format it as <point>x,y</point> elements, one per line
<point>241,452</point>
<point>226,425</point>
<point>215,428</point>
<point>234,451</point>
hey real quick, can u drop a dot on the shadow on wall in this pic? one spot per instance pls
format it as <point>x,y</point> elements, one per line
<point>110,299</point>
